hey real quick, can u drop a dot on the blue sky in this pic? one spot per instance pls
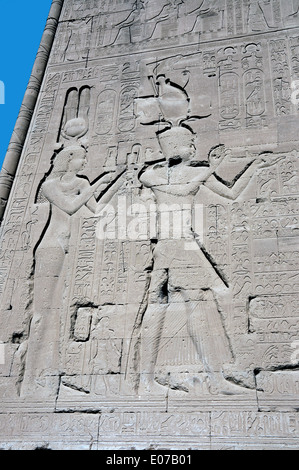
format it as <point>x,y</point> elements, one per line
<point>21,27</point>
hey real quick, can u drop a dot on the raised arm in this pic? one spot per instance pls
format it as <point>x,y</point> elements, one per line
<point>65,201</point>
<point>242,182</point>
<point>231,192</point>
<point>151,177</point>
<point>113,186</point>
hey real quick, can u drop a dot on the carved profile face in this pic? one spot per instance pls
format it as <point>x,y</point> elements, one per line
<point>77,159</point>
<point>177,143</point>
<point>70,159</point>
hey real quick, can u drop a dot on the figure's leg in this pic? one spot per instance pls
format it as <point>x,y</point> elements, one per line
<point>152,326</point>
<point>158,22</point>
<point>196,25</point>
<point>111,43</point>
<point>208,334</point>
<point>41,376</point>
<point>120,29</point>
<point>152,33</point>
<point>206,328</point>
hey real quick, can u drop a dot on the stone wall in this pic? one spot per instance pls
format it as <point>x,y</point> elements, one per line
<point>149,249</point>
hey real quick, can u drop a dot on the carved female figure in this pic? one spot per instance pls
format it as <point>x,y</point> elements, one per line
<point>68,193</point>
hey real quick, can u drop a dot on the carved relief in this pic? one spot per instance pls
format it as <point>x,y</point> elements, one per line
<point>45,108</point>
<point>220,264</point>
<point>67,194</point>
<point>255,101</point>
<point>126,109</point>
<point>177,144</point>
<point>229,100</point>
<point>208,17</point>
<point>261,15</point>
<point>151,263</point>
<point>105,111</point>
<point>75,120</point>
<point>77,40</point>
<point>281,80</point>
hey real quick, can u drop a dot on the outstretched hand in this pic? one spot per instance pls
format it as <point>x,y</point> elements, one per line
<point>267,160</point>
<point>131,172</point>
<point>109,177</point>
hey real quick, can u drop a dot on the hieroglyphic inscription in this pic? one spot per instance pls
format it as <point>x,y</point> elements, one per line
<point>280,76</point>
<point>45,109</point>
<point>85,262</point>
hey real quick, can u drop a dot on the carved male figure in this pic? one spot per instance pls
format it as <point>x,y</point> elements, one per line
<point>177,181</point>
<point>260,15</point>
<point>210,12</point>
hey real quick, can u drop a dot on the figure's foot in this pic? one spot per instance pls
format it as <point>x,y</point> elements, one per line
<point>174,382</point>
<point>76,384</point>
<point>148,386</point>
<point>243,378</point>
<point>218,385</point>
<point>42,387</point>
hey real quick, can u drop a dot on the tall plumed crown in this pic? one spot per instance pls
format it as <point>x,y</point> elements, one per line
<point>170,104</point>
